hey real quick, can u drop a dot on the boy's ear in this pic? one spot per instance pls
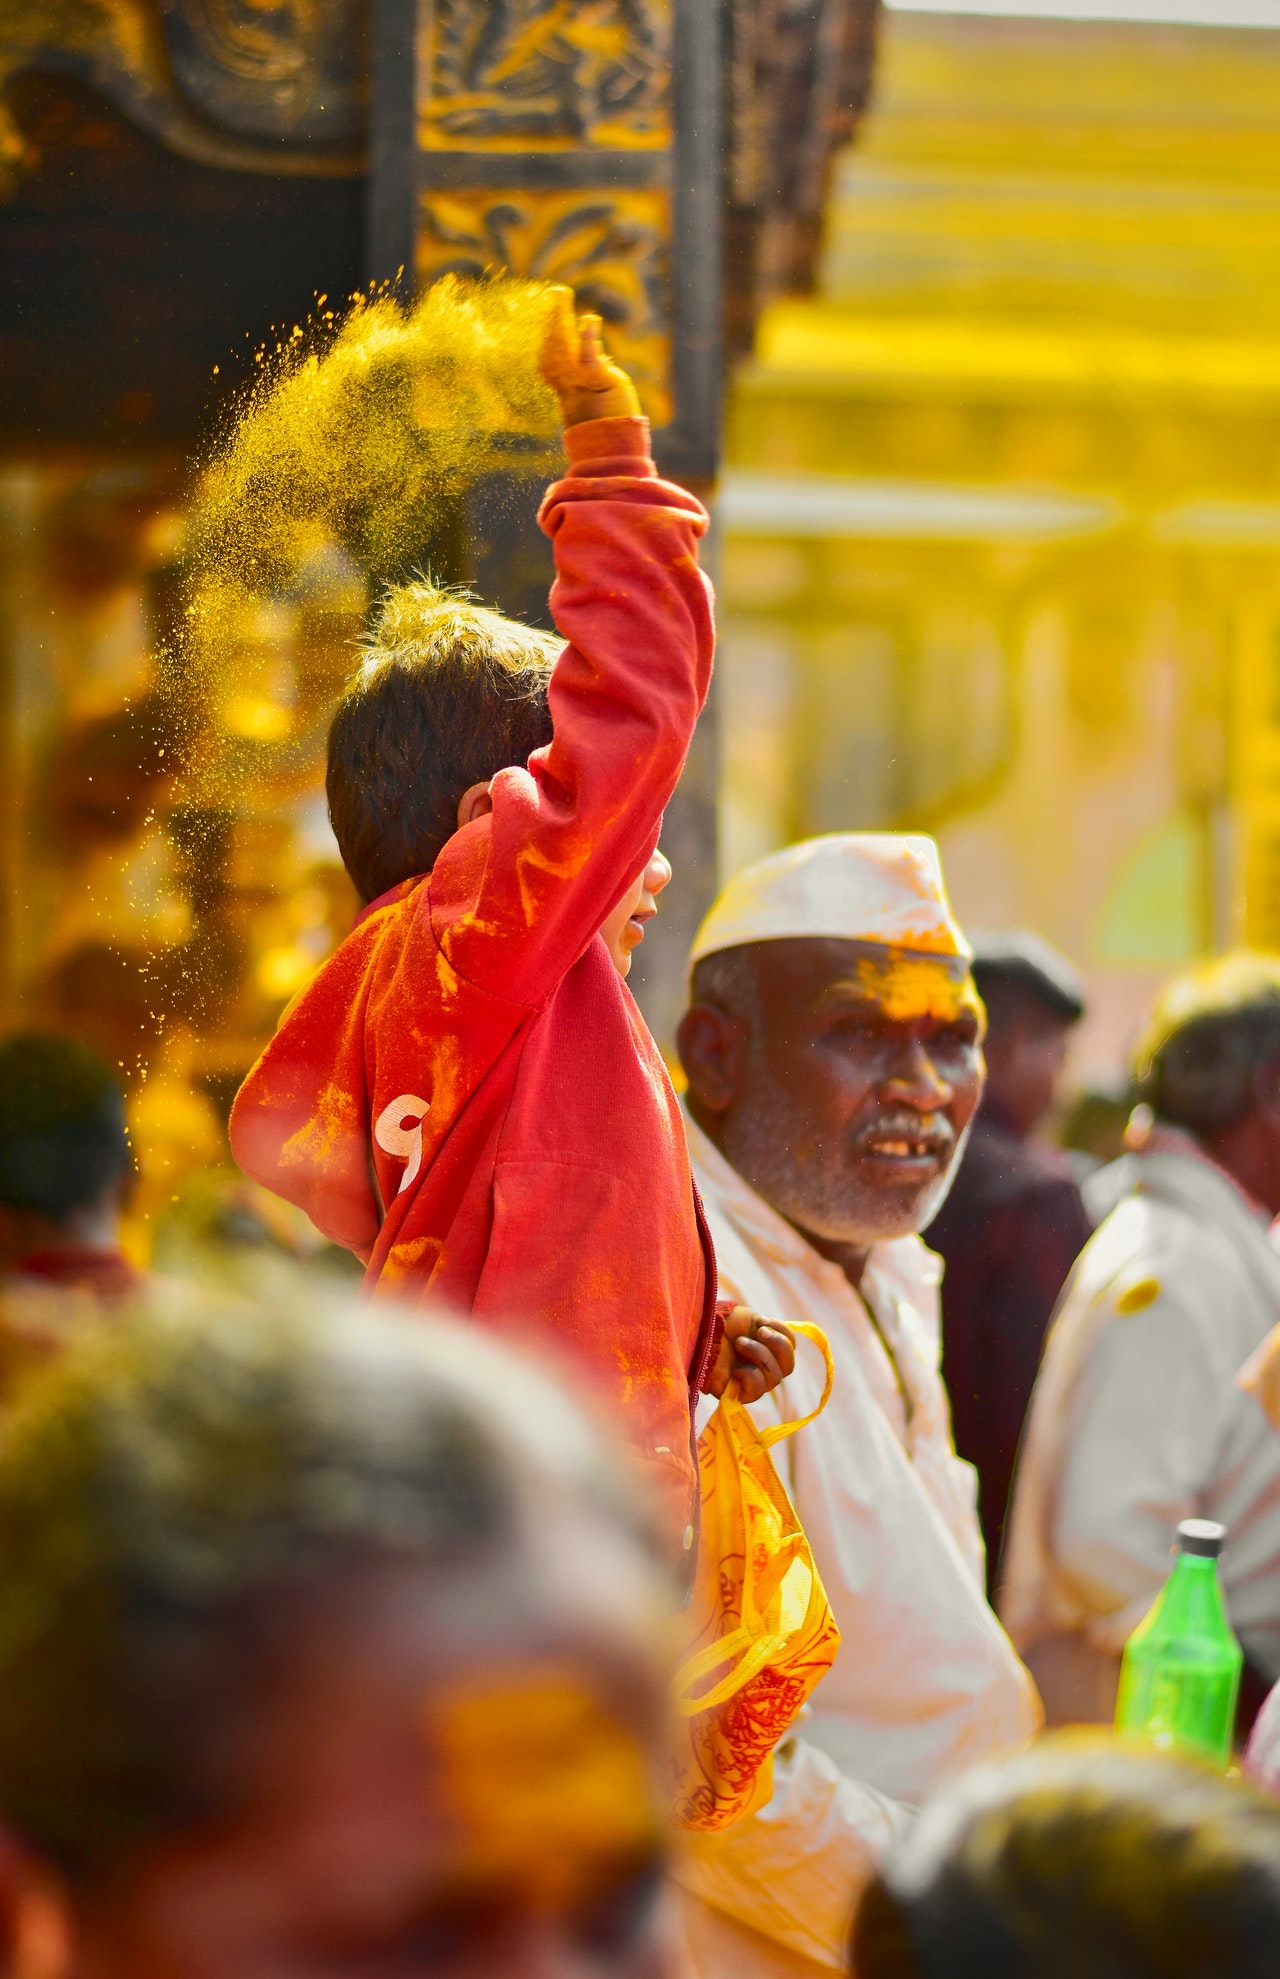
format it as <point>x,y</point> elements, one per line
<point>474,803</point>
<point>37,1937</point>
<point>711,1044</point>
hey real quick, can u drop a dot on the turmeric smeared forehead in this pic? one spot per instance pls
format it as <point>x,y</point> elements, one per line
<point>905,985</point>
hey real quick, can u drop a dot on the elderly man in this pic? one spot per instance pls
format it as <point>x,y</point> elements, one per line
<point>834,1059</point>
<point>1137,1420</point>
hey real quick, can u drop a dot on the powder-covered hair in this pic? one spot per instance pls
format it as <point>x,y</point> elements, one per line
<point>1080,1858</point>
<point>1212,1033</point>
<point>180,1491</point>
<point>1204,1077</point>
<point>447,694</point>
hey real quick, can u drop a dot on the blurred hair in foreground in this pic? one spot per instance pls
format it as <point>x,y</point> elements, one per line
<point>329,1642</point>
<point>1080,1857</point>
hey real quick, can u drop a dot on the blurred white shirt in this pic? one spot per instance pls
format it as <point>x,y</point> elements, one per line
<point>1138,1421</point>
<point>926,1682</point>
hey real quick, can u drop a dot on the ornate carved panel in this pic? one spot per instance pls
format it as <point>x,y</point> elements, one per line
<point>291,69</point>
<point>516,74</point>
<point>576,140</point>
<point>611,248</point>
<point>274,86</point>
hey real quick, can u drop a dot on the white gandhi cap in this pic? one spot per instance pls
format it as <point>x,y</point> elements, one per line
<point>881,886</point>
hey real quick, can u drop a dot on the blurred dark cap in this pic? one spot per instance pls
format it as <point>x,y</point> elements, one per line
<point>1026,961</point>
<point>63,1137</point>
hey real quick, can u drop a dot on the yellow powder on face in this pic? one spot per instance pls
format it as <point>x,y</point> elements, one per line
<point>545,1783</point>
<point>906,986</point>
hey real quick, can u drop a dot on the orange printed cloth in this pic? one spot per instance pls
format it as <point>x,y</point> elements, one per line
<point>760,1634</point>
<point>466,1095</point>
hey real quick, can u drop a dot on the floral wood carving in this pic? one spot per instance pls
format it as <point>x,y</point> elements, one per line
<point>609,247</point>
<point>529,74</point>
<point>246,84</point>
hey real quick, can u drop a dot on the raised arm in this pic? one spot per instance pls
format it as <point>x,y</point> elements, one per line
<point>517,894</point>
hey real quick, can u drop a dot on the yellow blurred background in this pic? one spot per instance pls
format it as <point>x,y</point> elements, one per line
<point>1002,513</point>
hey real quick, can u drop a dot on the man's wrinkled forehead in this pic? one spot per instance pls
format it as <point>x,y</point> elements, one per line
<point>900,984</point>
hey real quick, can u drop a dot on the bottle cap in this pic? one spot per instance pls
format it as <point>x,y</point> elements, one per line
<point>1201,1536</point>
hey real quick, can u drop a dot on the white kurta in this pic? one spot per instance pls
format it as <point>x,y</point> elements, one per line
<point>1137,1420</point>
<point>926,1682</point>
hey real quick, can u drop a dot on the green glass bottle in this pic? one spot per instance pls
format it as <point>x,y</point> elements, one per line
<point>1181,1671</point>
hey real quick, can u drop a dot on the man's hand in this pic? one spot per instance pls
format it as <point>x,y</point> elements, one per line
<point>755,1355</point>
<point>574,362</point>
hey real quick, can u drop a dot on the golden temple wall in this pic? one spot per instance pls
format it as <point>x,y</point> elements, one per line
<point>1002,517</point>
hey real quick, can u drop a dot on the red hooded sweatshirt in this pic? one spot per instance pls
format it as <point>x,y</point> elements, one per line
<point>466,1093</point>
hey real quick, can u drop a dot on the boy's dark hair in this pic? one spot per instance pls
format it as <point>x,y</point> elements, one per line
<point>447,695</point>
<point>1080,1857</point>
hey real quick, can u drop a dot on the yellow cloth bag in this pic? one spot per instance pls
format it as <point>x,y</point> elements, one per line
<point>759,1631</point>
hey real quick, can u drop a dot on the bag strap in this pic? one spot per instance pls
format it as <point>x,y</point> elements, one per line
<point>746,1653</point>
<point>778,1430</point>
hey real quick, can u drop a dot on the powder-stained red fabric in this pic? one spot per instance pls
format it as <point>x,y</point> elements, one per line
<point>467,1093</point>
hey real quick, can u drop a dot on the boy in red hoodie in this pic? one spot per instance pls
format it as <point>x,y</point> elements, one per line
<point>466,1094</point>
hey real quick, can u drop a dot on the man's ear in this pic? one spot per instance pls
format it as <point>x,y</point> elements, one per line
<point>475,802</point>
<point>37,1935</point>
<point>712,1045</point>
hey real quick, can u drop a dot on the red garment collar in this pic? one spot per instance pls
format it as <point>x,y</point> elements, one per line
<point>387,899</point>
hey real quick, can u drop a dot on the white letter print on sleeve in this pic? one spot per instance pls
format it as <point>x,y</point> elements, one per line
<point>398,1132</point>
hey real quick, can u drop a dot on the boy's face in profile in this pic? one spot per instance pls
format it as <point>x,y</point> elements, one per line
<point>467,1790</point>
<point>624,930</point>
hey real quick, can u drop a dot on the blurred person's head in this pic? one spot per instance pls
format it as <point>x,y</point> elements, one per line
<point>1209,1063</point>
<point>1081,1857</point>
<point>65,1159</point>
<point>833,1043</point>
<point>1033,996</point>
<point>1094,1122</point>
<point>329,1645</point>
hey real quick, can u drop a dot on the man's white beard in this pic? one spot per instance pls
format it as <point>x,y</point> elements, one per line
<point>937,1195</point>
<point>764,1157</point>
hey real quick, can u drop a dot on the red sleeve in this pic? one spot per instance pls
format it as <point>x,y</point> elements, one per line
<point>516,896</point>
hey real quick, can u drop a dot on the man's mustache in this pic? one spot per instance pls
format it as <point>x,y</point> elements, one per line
<point>928,1133</point>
